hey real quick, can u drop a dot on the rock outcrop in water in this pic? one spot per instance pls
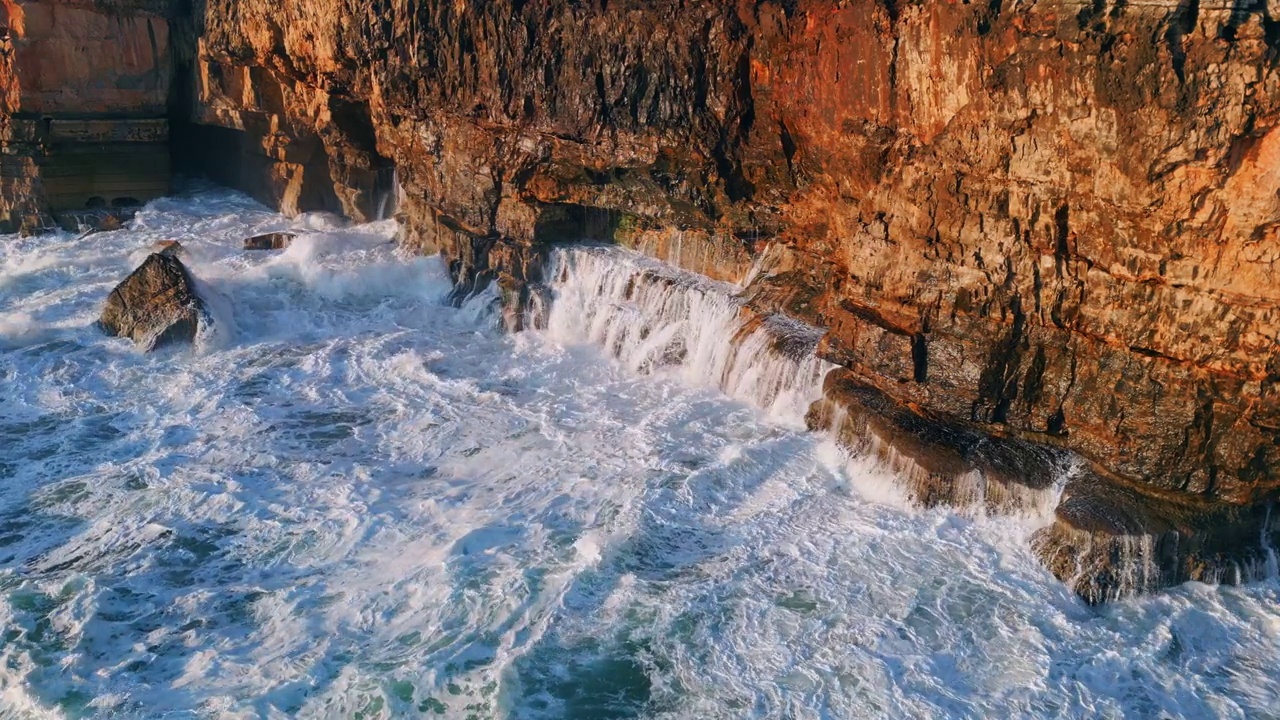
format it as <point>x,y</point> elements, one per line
<point>269,241</point>
<point>156,305</point>
<point>1050,222</point>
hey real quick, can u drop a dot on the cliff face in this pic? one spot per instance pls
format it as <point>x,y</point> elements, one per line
<point>84,99</point>
<point>1040,226</point>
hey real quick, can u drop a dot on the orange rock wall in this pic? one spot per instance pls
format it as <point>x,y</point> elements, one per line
<point>79,60</point>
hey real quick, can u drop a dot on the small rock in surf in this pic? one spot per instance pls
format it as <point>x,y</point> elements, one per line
<point>269,241</point>
<point>92,222</point>
<point>172,248</point>
<point>156,305</point>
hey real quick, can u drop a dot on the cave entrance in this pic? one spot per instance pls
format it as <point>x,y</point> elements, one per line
<point>569,223</point>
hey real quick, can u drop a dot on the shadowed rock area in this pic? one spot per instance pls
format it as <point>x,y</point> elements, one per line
<point>156,305</point>
<point>1112,540</point>
<point>938,462</point>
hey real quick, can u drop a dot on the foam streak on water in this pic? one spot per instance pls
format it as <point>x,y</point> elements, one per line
<point>352,500</point>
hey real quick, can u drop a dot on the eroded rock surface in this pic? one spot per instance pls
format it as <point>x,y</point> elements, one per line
<point>156,305</point>
<point>85,92</point>
<point>1112,540</point>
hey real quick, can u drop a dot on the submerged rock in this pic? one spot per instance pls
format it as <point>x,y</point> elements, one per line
<point>156,305</point>
<point>92,222</point>
<point>269,241</point>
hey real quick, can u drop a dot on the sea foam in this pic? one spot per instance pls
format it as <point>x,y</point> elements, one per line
<point>358,500</point>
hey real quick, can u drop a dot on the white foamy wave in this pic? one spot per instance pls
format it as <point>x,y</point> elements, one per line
<point>320,221</point>
<point>305,262</point>
<point>365,502</point>
<point>654,318</point>
<point>19,329</point>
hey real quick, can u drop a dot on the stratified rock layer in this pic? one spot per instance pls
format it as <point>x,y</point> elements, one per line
<point>156,305</point>
<point>84,103</point>
<point>1112,540</point>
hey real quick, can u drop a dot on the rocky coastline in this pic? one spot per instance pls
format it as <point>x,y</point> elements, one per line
<point>1038,234</point>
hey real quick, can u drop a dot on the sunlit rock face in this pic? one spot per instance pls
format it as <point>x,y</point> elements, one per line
<point>1052,222</point>
<point>156,305</point>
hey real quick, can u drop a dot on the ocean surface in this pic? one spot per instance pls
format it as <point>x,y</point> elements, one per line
<point>352,500</point>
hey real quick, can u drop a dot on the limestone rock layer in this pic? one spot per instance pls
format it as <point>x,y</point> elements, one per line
<point>85,89</point>
<point>1047,221</point>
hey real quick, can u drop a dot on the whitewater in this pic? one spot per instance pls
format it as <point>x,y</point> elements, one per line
<point>351,499</point>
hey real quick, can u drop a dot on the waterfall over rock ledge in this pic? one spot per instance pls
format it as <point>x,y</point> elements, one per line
<point>652,317</point>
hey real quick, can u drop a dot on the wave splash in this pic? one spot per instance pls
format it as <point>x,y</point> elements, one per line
<point>654,318</point>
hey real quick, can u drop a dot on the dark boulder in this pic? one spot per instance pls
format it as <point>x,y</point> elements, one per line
<point>156,305</point>
<point>269,241</point>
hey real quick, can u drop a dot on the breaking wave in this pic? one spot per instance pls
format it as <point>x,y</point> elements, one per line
<point>357,501</point>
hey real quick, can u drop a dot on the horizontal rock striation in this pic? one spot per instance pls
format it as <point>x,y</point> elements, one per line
<point>1047,223</point>
<point>84,104</point>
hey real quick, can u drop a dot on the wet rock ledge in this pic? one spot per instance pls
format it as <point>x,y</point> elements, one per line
<point>1033,230</point>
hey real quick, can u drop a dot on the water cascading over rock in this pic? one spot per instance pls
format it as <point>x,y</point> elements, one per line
<point>940,463</point>
<point>1110,541</point>
<point>652,317</point>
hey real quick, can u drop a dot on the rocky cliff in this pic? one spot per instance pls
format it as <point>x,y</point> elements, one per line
<point>1035,230</point>
<point>84,104</point>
